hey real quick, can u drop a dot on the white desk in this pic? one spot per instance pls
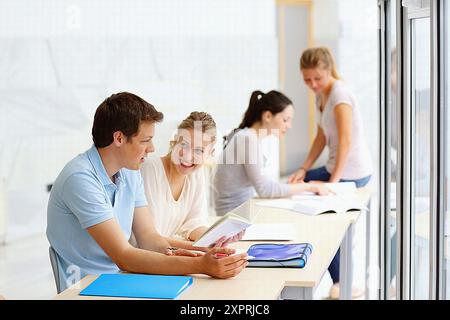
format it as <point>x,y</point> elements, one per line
<point>325,232</point>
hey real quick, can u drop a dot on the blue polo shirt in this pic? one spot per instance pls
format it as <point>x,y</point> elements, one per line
<point>83,196</point>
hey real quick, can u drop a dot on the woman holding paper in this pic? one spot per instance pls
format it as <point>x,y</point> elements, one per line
<point>241,175</point>
<point>175,184</point>
<point>339,127</point>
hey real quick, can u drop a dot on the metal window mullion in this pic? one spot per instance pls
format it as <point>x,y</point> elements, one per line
<point>403,179</point>
<point>437,155</point>
<point>384,158</point>
<point>444,100</point>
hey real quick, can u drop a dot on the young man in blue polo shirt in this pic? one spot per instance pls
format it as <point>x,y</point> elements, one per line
<point>98,200</point>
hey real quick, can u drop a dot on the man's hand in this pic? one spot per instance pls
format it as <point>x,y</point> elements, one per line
<point>223,263</point>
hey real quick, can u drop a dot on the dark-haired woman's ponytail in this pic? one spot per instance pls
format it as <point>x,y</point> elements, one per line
<point>260,102</point>
<point>250,117</point>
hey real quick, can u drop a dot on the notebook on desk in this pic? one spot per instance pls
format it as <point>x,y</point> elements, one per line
<point>272,255</point>
<point>138,286</point>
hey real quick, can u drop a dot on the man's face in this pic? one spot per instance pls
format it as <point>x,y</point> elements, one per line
<point>135,148</point>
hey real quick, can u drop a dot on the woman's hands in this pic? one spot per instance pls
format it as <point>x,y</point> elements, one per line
<point>298,176</point>
<point>172,251</point>
<point>198,251</point>
<point>223,242</point>
<point>319,188</point>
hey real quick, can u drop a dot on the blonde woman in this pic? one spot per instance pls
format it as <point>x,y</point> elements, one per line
<point>175,184</point>
<point>340,128</point>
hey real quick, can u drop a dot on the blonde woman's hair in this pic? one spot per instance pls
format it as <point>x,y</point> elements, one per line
<point>194,121</point>
<point>319,57</point>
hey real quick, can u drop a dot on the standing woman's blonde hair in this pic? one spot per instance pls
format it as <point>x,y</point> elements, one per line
<point>319,57</point>
<point>197,120</point>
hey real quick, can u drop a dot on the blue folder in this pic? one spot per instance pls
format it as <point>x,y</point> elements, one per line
<point>137,286</point>
<point>272,255</point>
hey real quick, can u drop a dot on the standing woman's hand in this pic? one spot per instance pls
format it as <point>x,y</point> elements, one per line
<point>298,176</point>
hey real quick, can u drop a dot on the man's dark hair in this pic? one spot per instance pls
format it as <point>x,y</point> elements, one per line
<point>123,112</point>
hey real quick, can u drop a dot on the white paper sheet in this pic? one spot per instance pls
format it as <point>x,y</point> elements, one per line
<point>269,232</point>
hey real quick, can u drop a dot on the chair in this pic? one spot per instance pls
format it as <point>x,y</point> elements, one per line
<point>55,268</point>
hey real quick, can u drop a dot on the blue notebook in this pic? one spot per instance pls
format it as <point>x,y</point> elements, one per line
<point>272,255</point>
<point>137,286</point>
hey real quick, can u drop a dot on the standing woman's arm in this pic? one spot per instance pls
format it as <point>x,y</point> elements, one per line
<point>315,151</point>
<point>343,116</point>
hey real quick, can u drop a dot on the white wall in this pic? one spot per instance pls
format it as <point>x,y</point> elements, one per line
<point>351,32</point>
<point>60,59</point>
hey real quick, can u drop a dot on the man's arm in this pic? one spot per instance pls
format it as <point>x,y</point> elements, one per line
<point>147,237</point>
<point>111,239</point>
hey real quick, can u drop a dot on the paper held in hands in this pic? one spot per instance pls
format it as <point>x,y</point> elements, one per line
<point>227,226</point>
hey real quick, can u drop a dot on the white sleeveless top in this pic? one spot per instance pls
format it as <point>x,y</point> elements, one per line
<point>174,218</point>
<point>359,162</point>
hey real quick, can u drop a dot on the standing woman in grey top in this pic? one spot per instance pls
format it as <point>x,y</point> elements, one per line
<point>240,174</point>
<point>340,128</point>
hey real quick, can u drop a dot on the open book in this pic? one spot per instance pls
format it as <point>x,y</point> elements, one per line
<point>317,205</point>
<point>227,226</point>
<point>344,200</point>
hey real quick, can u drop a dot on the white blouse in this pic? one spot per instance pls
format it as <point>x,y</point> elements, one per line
<point>174,218</point>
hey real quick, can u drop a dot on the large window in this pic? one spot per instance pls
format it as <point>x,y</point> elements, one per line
<point>417,152</point>
<point>420,132</point>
